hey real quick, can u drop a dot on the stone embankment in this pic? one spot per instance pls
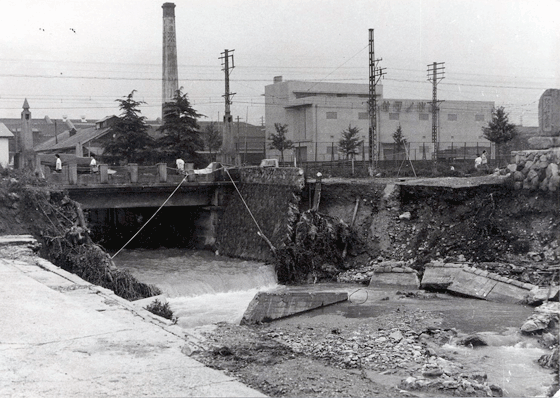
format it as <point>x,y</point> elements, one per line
<point>537,169</point>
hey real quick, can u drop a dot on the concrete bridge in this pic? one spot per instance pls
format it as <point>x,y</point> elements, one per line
<point>142,186</point>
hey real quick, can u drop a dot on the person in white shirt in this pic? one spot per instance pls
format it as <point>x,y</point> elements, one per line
<point>58,165</point>
<point>93,164</point>
<point>180,166</point>
<point>477,161</point>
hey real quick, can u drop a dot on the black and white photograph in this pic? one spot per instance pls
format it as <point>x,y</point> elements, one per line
<point>256,198</point>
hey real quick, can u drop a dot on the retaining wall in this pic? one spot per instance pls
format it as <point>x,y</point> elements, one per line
<point>537,168</point>
<point>272,196</point>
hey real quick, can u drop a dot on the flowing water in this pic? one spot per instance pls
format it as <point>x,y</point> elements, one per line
<point>204,289</point>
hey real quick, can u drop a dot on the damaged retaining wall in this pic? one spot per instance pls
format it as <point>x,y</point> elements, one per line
<point>272,195</point>
<point>537,168</point>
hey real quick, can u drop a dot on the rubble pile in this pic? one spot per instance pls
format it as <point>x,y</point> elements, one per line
<point>396,350</point>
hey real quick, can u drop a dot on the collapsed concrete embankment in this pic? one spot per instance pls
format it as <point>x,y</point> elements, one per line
<point>480,220</point>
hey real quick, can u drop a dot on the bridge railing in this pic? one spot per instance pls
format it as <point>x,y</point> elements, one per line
<point>73,174</point>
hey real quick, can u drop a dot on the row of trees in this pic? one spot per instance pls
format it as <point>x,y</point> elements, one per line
<point>180,133</point>
<point>499,131</point>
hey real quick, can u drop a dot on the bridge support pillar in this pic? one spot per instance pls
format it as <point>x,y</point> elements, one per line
<point>73,174</point>
<point>133,170</point>
<point>104,173</point>
<point>162,172</point>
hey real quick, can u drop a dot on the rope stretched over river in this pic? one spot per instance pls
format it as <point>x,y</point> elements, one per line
<point>150,219</point>
<point>260,232</point>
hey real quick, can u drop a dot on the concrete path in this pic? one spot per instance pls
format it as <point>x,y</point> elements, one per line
<point>63,337</point>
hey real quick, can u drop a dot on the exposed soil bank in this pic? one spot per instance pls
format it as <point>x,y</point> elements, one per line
<point>512,233</point>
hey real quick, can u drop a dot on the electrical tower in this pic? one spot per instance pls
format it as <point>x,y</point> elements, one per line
<point>435,75</point>
<point>229,154</point>
<point>375,73</point>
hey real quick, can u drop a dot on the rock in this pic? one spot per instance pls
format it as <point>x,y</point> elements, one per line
<point>472,340</point>
<point>405,216</point>
<point>549,339</point>
<point>396,335</point>
<point>550,361</point>
<point>496,390</point>
<point>512,167</point>
<point>552,170</point>
<point>534,325</point>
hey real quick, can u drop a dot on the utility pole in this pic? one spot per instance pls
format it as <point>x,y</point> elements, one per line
<point>229,154</point>
<point>435,75</point>
<point>375,73</point>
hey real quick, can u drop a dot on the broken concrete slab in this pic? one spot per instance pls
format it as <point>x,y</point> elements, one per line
<point>404,279</point>
<point>472,282</point>
<point>11,240</point>
<point>394,273</point>
<point>269,306</point>
<point>542,294</point>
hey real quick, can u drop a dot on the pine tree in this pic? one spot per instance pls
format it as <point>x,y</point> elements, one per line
<point>130,140</point>
<point>499,130</point>
<point>180,130</point>
<point>279,140</point>
<point>400,141</point>
<point>350,143</point>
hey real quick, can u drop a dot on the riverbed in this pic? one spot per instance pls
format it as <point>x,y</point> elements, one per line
<point>204,289</point>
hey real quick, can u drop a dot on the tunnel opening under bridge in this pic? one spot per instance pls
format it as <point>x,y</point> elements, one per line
<point>190,227</point>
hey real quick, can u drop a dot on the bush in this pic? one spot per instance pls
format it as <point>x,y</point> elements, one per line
<point>161,309</point>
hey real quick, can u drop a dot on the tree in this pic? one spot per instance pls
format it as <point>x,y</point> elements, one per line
<point>279,140</point>
<point>212,138</point>
<point>180,131</point>
<point>130,139</point>
<point>350,143</point>
<point>400,141</point>
<point>499,130</point>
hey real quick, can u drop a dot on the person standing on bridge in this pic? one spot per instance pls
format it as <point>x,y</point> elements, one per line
<point>93,164</point>
<point>180,166</point>
<point>477,161</point>
<point>484,160</point>
<point>58,164</point>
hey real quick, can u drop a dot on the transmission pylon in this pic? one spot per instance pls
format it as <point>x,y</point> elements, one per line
<point>229,154</point>
<point>375,74</point>
<point>435,75</point>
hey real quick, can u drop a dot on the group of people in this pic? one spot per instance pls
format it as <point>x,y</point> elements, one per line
<point>94,168</point>
<point>481,161</point>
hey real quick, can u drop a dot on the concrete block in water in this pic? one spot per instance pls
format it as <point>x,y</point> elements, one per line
<point>439,277</point>
<point>464,281</point>
<point>405,279</point>
<point>269,306</point>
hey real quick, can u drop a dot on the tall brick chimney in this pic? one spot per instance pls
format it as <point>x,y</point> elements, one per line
<point>170,78</point>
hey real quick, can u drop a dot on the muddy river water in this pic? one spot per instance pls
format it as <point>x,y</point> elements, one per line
<point>203,289</point>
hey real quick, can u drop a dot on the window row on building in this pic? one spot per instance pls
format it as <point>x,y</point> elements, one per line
<point>452,117</point>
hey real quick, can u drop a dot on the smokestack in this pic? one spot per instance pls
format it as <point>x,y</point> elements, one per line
<point>170,79</point>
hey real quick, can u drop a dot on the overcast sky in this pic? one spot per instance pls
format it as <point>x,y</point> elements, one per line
<point>75,57</point>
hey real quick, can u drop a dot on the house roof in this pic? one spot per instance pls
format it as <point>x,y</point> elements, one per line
<point>4,131</point>
<point>66,141</point>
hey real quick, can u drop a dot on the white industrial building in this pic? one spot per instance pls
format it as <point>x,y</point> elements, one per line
<point>316,114</point>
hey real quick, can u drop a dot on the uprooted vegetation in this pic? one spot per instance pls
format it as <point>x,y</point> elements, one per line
<point>317,249</point>
<point>57,222</point>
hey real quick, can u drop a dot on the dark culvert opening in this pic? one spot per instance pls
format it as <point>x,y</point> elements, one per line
<point>172,227</point>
